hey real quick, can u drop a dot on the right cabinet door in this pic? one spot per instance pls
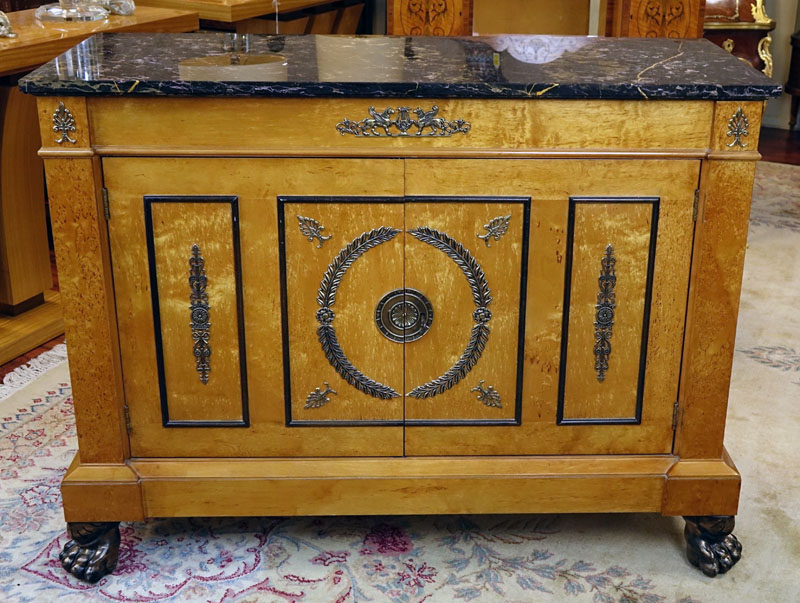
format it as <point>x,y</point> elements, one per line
<point>586,352</point>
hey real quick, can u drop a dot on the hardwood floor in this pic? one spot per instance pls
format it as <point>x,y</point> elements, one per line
<point>27,357</point>
<point>780,146</point>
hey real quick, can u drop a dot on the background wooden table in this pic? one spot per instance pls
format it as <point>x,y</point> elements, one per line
<point>31,311</point>
<point>258,16</point>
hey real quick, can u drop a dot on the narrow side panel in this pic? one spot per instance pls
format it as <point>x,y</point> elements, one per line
<point>195,282</point>
<point>611,247</point>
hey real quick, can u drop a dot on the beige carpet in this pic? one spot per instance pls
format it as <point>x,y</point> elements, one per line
<point>598,558</point>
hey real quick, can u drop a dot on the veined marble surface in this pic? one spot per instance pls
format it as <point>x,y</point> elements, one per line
<point>211,64</point>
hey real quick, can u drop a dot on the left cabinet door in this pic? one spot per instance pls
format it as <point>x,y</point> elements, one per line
<point>214,263</point>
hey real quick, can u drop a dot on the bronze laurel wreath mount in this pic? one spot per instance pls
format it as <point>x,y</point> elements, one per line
<point>326,297</point>
<point>482,297</point>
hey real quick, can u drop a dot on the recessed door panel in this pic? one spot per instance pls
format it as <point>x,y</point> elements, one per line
<point>195,280</point>
<point>340,255</point>
<point>611,244</point>
<point>468,256</point>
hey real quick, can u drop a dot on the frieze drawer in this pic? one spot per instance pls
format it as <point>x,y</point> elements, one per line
<point>301,124</point>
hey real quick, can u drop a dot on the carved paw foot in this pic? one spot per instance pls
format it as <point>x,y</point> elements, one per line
<point>92,553</point>
<point>710,545</point>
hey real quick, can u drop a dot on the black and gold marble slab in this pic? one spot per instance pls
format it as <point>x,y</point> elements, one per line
<point>211,64</point>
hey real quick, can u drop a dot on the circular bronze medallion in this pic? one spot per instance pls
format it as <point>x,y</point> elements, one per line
<point>404,315</point>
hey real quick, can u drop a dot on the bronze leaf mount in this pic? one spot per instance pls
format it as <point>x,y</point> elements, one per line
<point>64,122</point>
<point>319,397</point>
<point>487,395</point>
<point>737,128</point>
<point>496,228</point>
<point>312,229</point>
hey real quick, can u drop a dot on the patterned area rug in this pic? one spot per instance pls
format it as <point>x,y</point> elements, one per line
<point>598,558</point>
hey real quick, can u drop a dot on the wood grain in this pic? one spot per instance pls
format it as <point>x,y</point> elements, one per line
<point>208,487</point>
<point>514,125</point>
<point>24,256</point>
<point>550,184</point>
<point>101,492</point>
<point>274,469</point>
<point>402,486</point>
<point>565,18</point>
<point>81,246</point>
<point>702,488</point>
<point>176,228</point>
<point>376,272</point>
<point>484,153</point>
<point>348,19</point>
<point>19,334</point>
<point>35,45</point>
<point>257,183</point>
<point>231,11</point>
<point>657,18</point>
<point>322,22</point>
<point>713,307</point>
<point>267,25</point>
<point>429,17</point>
<point>626,227</point>
<point>432,272</point>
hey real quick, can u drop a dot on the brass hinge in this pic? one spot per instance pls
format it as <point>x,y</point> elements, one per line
<point>106,210</point>
<point>674,416</point>
<point>696,203</point>
<point>127,418</point>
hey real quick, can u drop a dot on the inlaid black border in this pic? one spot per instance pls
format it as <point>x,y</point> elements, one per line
<point>284,199</point>
<point>637,419</point>
<point>149,201</point>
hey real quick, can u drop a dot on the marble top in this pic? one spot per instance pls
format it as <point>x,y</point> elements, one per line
<point>511,66</point>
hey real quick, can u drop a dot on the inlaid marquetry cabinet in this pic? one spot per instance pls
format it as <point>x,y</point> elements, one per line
<point>376,299</point>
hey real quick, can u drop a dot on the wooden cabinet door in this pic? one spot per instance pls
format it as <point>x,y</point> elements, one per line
<point>333,280</point>
<point>600,316</point>
<point>468,256</point>
<point>244,293</point>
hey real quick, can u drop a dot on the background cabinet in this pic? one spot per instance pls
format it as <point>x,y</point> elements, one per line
<point>297,258</point>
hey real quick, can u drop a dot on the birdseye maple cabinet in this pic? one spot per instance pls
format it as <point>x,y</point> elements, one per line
<point>399,276</point>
